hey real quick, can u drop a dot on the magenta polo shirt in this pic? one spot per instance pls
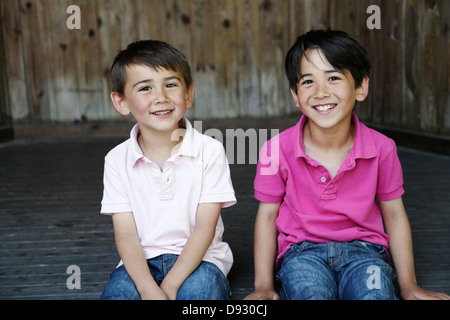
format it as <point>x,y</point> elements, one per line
<point>319,209</point>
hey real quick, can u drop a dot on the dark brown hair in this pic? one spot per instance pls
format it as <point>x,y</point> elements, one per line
<point>151,53</point>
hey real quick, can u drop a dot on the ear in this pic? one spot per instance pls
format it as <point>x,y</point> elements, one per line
<point>189,96</point>
<point>120,103</point>
<point>295,97</point>
<point>363,90</point>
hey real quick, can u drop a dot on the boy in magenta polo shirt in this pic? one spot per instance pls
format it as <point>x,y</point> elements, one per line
<point>318,183</point>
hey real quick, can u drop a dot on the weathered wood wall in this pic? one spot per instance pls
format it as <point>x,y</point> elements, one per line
<point>236,49</point>
<point>6,129</point>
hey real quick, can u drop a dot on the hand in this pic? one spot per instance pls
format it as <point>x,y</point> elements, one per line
<point>170,291</point>
<point>414,292</point>
<point>267,294</point>
<point>157,294</point>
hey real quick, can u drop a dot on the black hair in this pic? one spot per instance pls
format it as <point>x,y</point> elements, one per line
<point>340,49</point>
<point>151,53</point>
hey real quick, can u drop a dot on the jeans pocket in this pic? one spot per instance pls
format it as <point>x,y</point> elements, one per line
<point>379,250</point>
<point>294,249</point>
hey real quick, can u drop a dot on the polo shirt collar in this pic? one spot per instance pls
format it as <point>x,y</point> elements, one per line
<point>363,148</point>
<point>299,147</point>
<point>189,146</point>
<point>135,150</point>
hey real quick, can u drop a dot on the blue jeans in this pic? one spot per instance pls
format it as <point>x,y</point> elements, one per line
<point>354,270</point>
<point>207,282</point>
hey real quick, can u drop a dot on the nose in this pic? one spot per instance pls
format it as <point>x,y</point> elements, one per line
<point>161,96</point>
<point>322,91</point>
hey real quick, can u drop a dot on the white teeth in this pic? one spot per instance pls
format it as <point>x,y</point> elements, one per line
<point>325,107</point>
<point>161,113</point>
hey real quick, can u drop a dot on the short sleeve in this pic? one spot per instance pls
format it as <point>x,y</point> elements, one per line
<point>115,198</point>
<point>269,183</point>
<point>390,176</point>
<point>217,186</point>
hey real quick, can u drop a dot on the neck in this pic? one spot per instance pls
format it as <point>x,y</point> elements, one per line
<point>156,143</point>
<point>335,138</point>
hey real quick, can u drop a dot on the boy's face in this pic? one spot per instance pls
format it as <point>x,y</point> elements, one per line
<point>324,94</point>
<point>156,99</point>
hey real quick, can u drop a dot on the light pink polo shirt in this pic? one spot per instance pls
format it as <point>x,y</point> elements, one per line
<point>164,203</point>
<point>314,207</point>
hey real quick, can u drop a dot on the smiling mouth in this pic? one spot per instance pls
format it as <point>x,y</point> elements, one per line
<point>325,107</point>
<point>162,112</point>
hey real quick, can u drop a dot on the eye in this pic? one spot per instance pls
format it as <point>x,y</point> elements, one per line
<point>336,76</point>
<point>171,85</point>
<point>307,82</point>
<point>145,88</point>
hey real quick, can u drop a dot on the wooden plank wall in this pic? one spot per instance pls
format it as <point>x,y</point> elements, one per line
<point>236,49</point>
<point>6,131</point>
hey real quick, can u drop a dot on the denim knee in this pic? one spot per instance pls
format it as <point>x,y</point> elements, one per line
<point>368,276</point>
<point>305,274</point>
<point>353,270</point>
<point>207,282</point>
<point>120,286</point>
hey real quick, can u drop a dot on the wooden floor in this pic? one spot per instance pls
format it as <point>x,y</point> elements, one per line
<point>50,195</point>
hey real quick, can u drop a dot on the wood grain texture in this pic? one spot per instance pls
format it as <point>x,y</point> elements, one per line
<point>236,49</point>
<point>50,202</point>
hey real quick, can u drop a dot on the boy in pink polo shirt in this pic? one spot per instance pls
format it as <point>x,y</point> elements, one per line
<point>318,183</point>
<point>165,186</point>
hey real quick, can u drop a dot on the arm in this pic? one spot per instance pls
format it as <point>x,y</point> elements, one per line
<point>399,231</point>
<point>195,248</point>
<point>130,251</point>
<point>265,251</point>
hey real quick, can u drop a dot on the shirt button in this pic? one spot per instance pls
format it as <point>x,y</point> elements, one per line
<point>323,179</point>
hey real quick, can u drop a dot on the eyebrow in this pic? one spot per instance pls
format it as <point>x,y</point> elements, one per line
<point>151,80</point>
<point>326,71</point>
